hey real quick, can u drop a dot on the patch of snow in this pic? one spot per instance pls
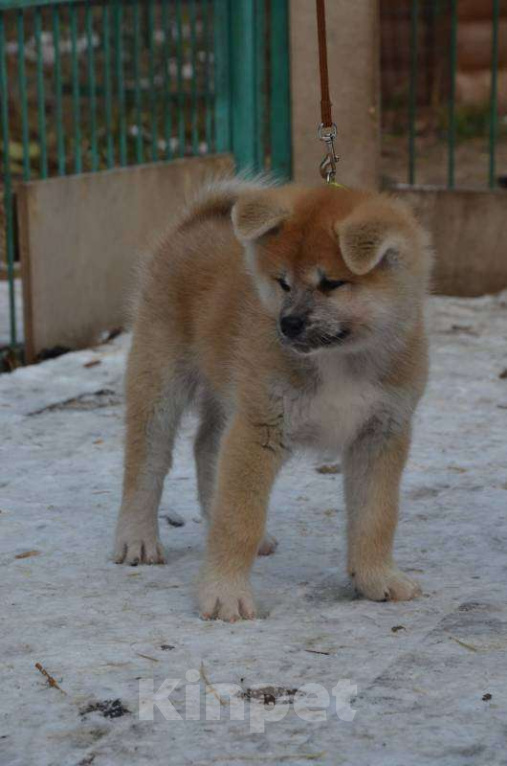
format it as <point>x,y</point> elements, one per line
<point>423,669</point>
<point>5,319</point>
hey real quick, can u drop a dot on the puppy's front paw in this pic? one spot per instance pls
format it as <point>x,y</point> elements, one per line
<point>137,546</point>
<point>385,584</point>
<point>223,599</point>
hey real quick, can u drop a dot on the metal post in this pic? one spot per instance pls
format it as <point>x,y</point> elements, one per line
<point>280,118</point>
<point>222,79</point>
<point>412,101</point>
<point>244,84</point>
<point>8,203</point>
<point>493,109</point>
<point>452,97</point>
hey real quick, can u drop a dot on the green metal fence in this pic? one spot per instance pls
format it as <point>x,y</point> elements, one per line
<point>88,85</point>
<point>423,65</point>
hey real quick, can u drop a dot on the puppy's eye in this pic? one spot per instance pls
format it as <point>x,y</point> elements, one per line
<point>283,284</point>
<point>328,285</point>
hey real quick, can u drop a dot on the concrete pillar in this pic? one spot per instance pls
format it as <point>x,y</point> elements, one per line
<point>353,55</point>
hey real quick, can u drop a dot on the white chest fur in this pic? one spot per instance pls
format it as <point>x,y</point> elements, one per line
<point>329,415</point>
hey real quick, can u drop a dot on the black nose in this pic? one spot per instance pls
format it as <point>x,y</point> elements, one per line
<point>292,326</point>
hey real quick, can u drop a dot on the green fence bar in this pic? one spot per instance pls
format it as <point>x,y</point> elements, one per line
<point>166,100</point>
<point>25,136</point>
<point>91,87</point>
<point>207,12</point>
<point>280,118</point>
<point>120,80</point>
<point>60,141</point>
<point>153,89</point>
<point>18,4</point>
<point>8,203</point>
<point>261,106</point>
<point>41,101</point>
<point>76,92</point>
<point>181,94</point>
<point>138,101</point>
<point>412,98</point>
<point>222,75</point>
<point>493,111</point>
<point>193,101</point>
<point>244,96</point>
<point>451,169</point>
<point>107,86</point>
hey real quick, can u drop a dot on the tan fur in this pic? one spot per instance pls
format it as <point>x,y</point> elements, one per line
<point>346,375</point>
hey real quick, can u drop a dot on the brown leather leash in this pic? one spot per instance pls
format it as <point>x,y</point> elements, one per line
<point>327,128</point>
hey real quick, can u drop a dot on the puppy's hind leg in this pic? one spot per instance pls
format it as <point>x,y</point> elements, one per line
<point>206,446</point>
<point>156,398</point>
<point>373,468</point>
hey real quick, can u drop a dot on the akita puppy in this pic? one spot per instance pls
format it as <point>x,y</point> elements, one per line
<point>293,318</point>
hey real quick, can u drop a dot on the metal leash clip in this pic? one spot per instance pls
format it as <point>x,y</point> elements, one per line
<point>328,164</point>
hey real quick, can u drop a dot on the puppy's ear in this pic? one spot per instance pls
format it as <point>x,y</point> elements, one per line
<point>367,240</point>
<point>257,213</point>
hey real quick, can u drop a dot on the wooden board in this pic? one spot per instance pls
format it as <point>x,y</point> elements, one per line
<point>80,238</point>
<point>469,230</point>
<point>474,89</point>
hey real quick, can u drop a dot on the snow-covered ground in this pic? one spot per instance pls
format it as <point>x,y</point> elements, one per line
<point>431,674</point>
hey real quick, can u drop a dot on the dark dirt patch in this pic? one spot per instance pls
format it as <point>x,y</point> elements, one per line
<point>108,708</point>
<point>270,695</point>
<point>472,606</point>
<point>52,353</point>
<point>461,329</point>
<point>329,469</point>
<point>175,521</point>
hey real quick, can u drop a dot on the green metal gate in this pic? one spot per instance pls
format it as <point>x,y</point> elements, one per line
<point>88,85</point>
<point>435,130</point>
